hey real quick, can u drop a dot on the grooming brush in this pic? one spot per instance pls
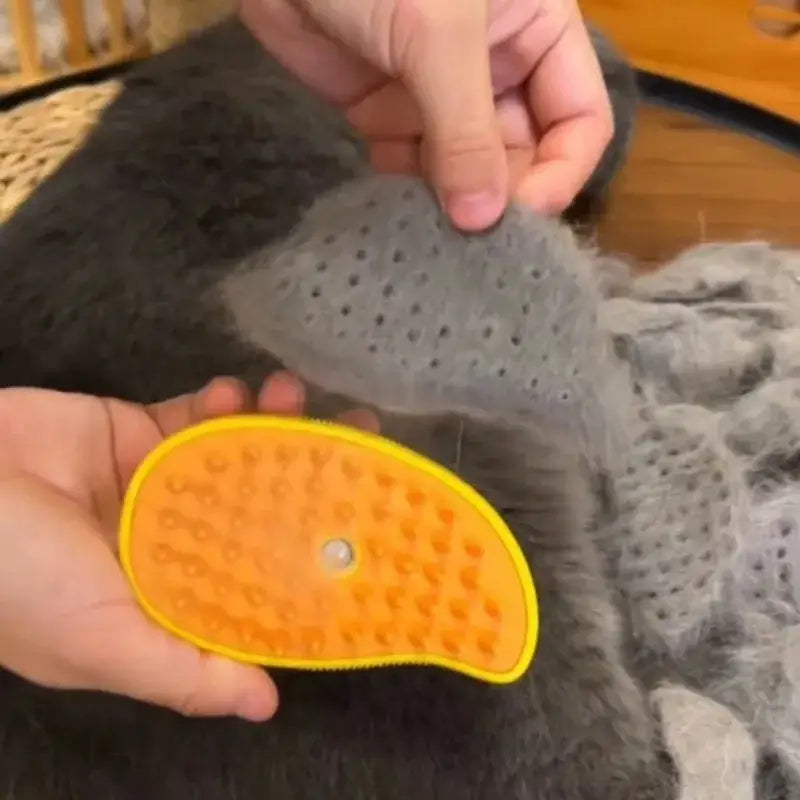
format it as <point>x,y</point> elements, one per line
<point>304,544</point>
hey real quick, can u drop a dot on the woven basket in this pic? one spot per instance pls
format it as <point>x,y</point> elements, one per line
<point>50,39</point>
<point>36,137</point>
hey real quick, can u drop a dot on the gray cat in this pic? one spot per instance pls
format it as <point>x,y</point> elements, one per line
<point>123,276</point>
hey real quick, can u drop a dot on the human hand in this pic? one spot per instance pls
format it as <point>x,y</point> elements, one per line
<point>68,618</point>
<point>487,98</point>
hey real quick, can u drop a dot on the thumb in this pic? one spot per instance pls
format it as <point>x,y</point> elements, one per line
<point>149,664</point>
<point>446,69</point>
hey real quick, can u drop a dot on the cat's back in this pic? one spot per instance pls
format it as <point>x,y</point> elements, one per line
<point>209,152</point>
<point>210,145</point>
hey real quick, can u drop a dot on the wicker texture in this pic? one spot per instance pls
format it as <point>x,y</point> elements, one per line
<point>36,138</point>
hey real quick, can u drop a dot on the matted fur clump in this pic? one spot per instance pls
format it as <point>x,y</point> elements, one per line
<point>639,437</point>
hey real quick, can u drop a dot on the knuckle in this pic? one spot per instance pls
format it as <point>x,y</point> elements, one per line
<point>555,198</point>
<point>466,162</point>
<point>607,128</point>
<point>560,200</point>
<point>188,704</point>
<point>419,19</point>
<point>469,147</point>
<point>605,121</point>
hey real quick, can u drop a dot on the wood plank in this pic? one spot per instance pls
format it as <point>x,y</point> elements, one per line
<point>721,45</point>
<point>688,181</point>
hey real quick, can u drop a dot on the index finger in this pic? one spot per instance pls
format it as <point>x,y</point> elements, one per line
<point>571,110</point>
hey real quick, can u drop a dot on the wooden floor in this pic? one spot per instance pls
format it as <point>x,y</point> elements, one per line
<point>689,181</point>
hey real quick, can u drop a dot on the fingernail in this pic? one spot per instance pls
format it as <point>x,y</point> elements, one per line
<point>475,211</point>
<point>258,707</point>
